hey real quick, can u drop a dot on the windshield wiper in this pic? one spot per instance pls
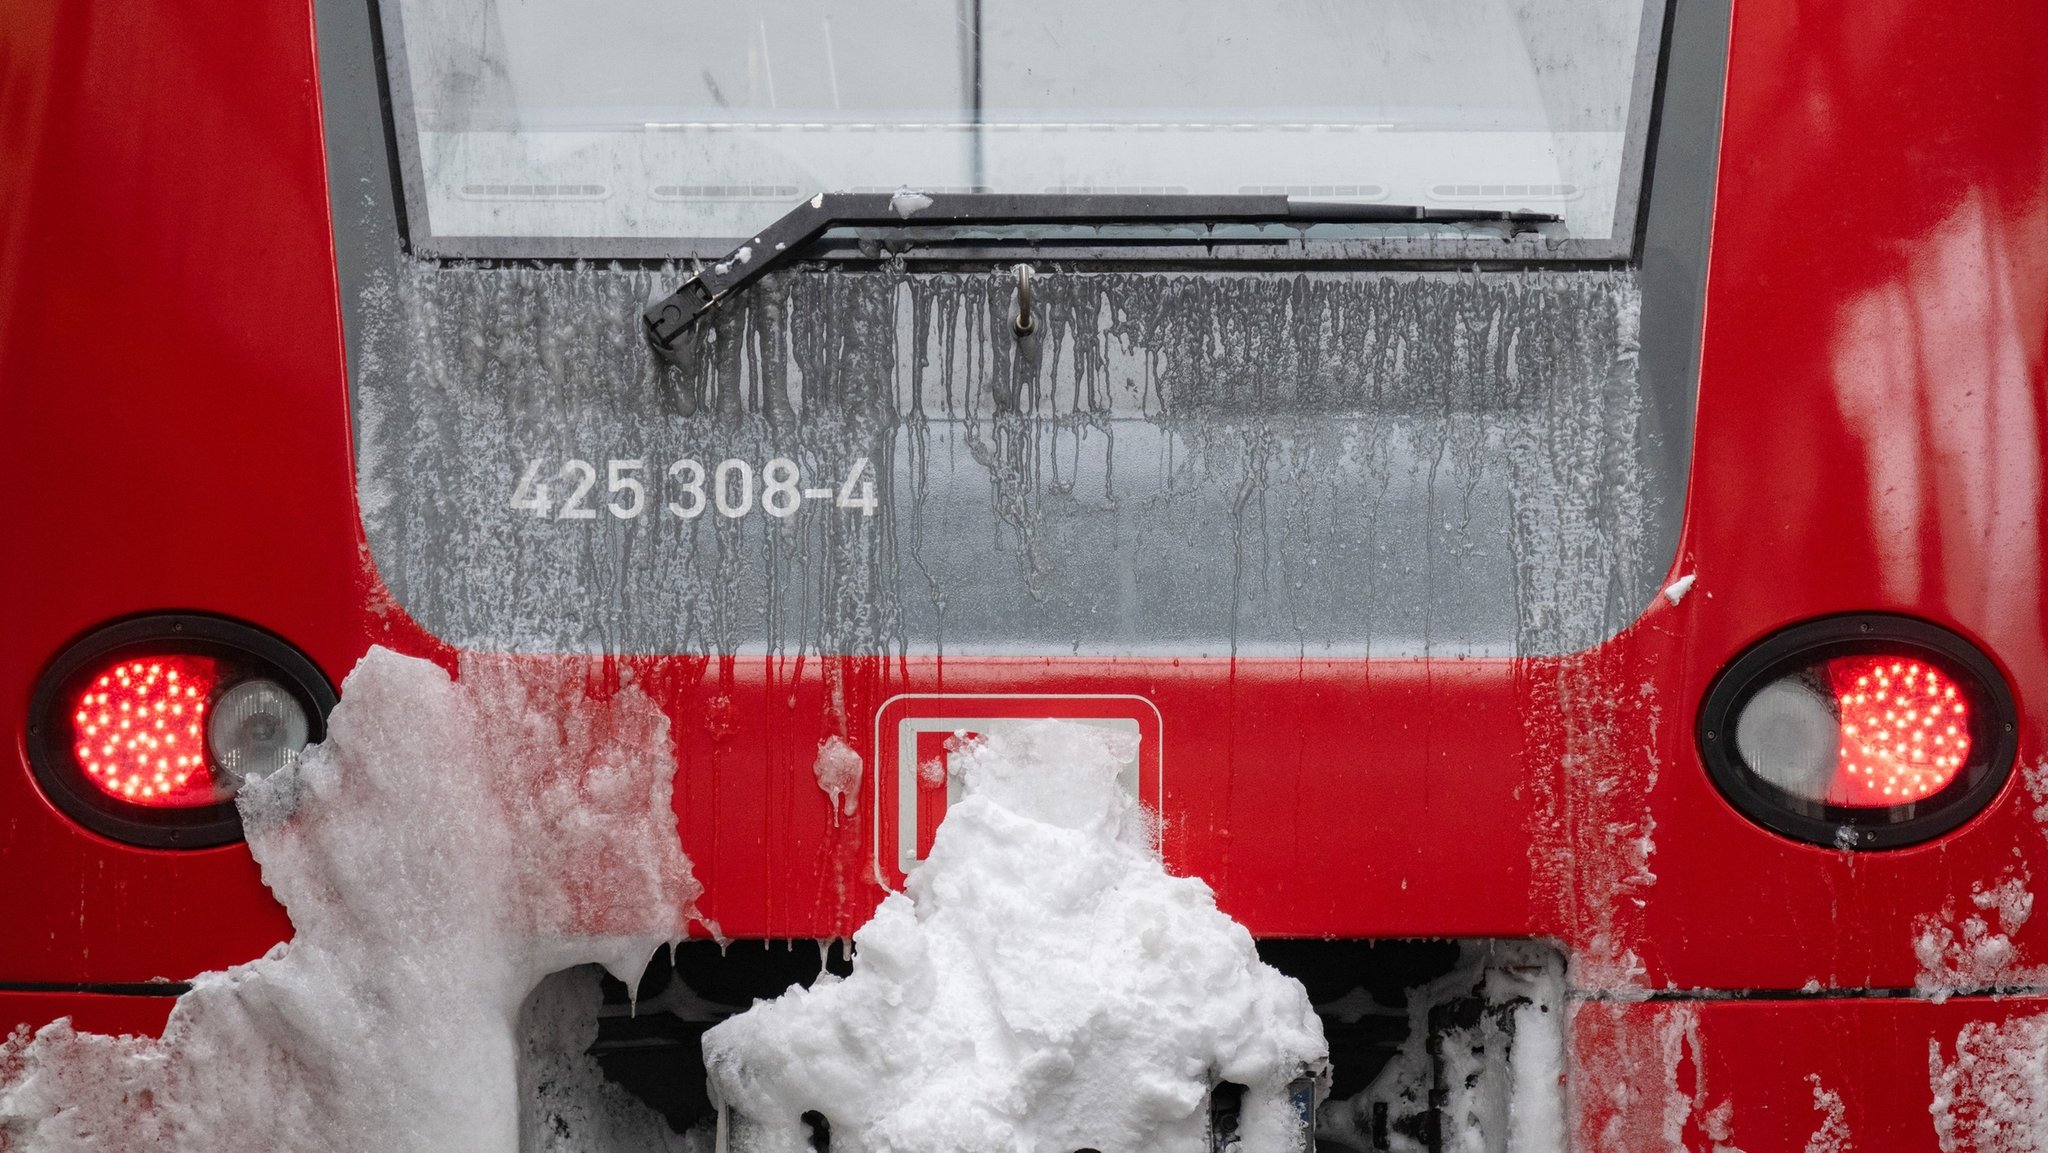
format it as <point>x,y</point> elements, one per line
<point>670,317</point>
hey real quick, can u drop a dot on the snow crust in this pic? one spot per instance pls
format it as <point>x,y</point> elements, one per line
<point>1394,464</point>
<point>1640,1081</point>
<point>1042,984</point>
<point>1993,1094</point>
<point>1975,948</point>
<point>450,845</point>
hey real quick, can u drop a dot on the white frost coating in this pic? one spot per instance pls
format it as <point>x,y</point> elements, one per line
<point>1676,590</point>
<point>447,847</point>
<point>838,769</point>
<point>1994,1095</point>
<point>743,256</point>
<point>2035,778</point>
<point>906,203</point>
<point>1041,984</point>
<point>1513,461</point>
<point>1963,953</point>
<point>1975,951</point>
<point>1832,1136</point>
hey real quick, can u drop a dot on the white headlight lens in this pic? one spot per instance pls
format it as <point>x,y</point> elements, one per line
<point>1789,734</point>
<point>257,728</point>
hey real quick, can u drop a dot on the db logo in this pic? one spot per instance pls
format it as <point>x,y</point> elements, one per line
<point>916,733</point>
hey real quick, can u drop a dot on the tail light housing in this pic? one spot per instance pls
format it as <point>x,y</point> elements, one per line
<point>144,730</point>
<point>1860,732</point>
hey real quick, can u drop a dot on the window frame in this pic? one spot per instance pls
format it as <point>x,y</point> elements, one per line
<point>394,73</point>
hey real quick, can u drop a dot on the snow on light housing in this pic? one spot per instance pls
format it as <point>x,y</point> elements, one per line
<point>143,730</point>
<point>1859,732</point>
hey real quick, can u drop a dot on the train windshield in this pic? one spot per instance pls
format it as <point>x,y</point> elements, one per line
<point>677,127</point>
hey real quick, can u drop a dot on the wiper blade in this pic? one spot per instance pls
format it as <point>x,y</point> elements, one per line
<point>670,317</point>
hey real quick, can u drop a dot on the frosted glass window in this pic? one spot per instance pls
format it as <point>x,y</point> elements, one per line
<point>664,119</point>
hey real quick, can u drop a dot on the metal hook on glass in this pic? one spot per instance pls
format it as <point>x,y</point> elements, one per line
<point>1022,323</point>
<point>1023,375</point>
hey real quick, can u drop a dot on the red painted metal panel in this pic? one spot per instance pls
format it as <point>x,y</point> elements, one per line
<point>1871,422</point>
<point>1793,1076</point>
<point>173,419</point>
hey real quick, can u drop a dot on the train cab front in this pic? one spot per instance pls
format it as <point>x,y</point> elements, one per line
<point>1051,577</point>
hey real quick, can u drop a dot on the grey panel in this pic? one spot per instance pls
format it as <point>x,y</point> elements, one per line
<point>1198,463</point>
<point>1320,462</point>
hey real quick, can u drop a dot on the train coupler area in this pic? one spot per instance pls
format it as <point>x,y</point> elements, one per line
<point>1434,1045</point>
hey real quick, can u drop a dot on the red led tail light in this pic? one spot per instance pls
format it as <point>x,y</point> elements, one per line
<point>144,730</point>
<point>1905,729</point>
<point>1863,732</point>
<point>138,730</point>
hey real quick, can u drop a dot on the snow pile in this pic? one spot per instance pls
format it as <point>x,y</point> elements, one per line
<point>1042,985</point>
<point>449,845</point>
<point>1994,1095</point>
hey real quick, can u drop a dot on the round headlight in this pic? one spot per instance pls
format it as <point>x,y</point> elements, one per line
<point>1787,735</point>
<point>257,728</point>
<point>145,729</point>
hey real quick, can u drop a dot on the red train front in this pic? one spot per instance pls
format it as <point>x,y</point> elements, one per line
<point>1539,511</point>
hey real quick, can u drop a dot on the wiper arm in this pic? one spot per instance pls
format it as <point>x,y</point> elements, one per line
<point>670,317</point>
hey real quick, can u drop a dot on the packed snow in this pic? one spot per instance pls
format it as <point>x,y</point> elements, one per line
<point>462,855</point>
<point>743,256</point>
<point>451,844</point>
<point>1041,984</point>
<point>1676,590</point>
